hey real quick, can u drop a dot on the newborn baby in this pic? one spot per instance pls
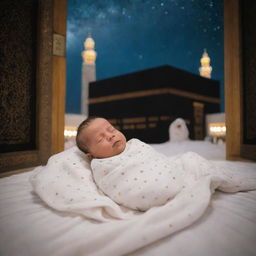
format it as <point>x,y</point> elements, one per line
<point>134,175</point>
<point>131,173</point>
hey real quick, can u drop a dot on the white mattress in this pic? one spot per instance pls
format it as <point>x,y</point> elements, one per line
<point>28,227</point>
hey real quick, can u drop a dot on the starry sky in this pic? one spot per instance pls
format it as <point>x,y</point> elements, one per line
<point>133,35</point>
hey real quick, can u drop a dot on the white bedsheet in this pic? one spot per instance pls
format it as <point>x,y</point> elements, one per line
<point>28,227</point>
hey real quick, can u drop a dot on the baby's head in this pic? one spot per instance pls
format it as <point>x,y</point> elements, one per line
<point>99,139</point>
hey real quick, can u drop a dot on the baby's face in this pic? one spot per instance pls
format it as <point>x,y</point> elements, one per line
<point>102,139</point>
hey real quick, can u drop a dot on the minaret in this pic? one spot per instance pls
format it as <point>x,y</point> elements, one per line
<point>205,69</point>
<point>88,72</point>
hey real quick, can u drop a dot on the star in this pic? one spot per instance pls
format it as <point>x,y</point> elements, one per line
<point>122,31</point>
<point>101,15</point>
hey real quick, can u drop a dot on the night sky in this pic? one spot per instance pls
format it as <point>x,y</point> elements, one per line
<point>133,35</point>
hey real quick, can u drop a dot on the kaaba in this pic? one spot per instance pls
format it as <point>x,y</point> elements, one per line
<point>144,103</point>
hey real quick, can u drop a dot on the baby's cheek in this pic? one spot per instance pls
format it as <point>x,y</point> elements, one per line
<point>107,148</point>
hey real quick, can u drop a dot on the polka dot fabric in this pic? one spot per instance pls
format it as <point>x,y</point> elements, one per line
<point>66,184</point>
<point>141,178</point>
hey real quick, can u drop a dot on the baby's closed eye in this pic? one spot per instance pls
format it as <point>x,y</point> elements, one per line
<point>111,128</point>
<point>100,139</point>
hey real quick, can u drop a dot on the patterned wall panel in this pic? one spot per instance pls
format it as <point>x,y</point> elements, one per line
<point>18,24</point>
<point>249,70</point>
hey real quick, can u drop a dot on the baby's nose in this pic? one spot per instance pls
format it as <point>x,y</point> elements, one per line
<point>111,136</point>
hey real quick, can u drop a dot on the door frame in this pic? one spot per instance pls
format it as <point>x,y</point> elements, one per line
<point>236,149</point>
<point>50,89</point>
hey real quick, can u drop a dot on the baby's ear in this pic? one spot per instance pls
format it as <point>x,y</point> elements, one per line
<point>90,157</point>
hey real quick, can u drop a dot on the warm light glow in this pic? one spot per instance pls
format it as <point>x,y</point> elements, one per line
<point>89,43</point>
<point>70,132</point>
<point>205,69</point>
<point>89,54</point>
<point>217,129</point>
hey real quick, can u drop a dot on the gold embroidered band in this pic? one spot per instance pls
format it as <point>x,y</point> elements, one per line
<point>145,93</point>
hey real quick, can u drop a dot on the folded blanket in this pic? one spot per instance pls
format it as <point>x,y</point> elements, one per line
<point>66,184</point>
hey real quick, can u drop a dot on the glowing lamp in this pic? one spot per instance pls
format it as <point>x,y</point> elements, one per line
<point>70,132</point>
<point>89,43</point>
<point>217,129</point>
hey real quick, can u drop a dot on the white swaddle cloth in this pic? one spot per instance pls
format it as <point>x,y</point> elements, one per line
<point>141,178</point>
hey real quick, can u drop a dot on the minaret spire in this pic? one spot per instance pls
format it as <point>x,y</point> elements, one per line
<point>88,72</point>
<point>205,69</point>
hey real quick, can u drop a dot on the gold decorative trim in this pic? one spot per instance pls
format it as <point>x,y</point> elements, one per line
<point>153,118</point>
<point>164,118</point>
<point>142,122</point>
<point>152,125</point>
<point>112,121</point>
<point>145,93</point>
<point>140,126</point>
<point>198,120</point>
<point>134,120</point>
<point>198,105</point>
<point>129,127</point>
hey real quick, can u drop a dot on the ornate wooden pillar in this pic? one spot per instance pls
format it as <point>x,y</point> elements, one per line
<point>240,78</point>
<point>32,81</point>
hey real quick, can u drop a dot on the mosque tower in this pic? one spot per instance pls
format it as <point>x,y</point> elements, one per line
<point>88,72</point>
<point>205,69</point>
